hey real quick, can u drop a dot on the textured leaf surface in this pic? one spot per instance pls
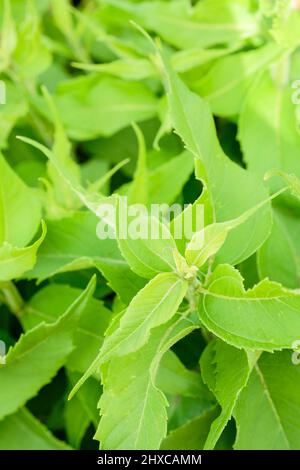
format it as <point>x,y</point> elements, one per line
<point>266,317</point>
<point>72,244</point>
<point>44,349</point>
<point>232,190</point>
<point>19,208</point>
<point>267,412</point>
<point>51,302</point>
<point>14,262</point>
<point>225,370</point>
<point>133,409</point>
<point>22,431</point>
<point>113,104</point>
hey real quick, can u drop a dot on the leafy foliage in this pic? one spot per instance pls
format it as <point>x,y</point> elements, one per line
<point>154,341</point>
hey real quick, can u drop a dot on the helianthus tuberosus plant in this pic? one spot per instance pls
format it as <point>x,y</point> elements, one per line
<point>122,122</point>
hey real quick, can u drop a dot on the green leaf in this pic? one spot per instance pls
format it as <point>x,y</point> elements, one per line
<point>286,26</point>
<point>22,431</point>
<point>228,81</point>
<point>20,208</point>
<point>132,408</point>
<point>267,412</point>
<point>88,395</point>
<point>290,179</point>
<point>269,114</point>
<point>266,317</point>
<point>225,370</point>
<point>154,305</point>
<point>193,214</point>
<point>14,109</point>
<point>210,22</point>
<point>61,163</point>
<point>191,435</point>
<point>145,242</point>
<point>279,257</point>
<point>72,244</point>
<point>210,239</point>
<point>77,422</point>
<point>127,69</point>
<point>113,104</point>
<point>14,262</point>
<point>8,35</point>
<point>138,192</point>
<point>43,349</point>
<point>50,302</point>
<point>166,181</point>
<point>231,189</point>
<point>175,379</point>
<point>187,59</point>
<point>31,55</point>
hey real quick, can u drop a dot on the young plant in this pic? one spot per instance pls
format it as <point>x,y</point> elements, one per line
<point>124,121</point>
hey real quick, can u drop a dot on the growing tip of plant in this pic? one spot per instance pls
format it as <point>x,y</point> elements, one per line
<point>155,43</point>
<point>143,32</point>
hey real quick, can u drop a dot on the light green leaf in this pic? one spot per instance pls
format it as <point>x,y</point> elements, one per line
<point>269,114</point>
<point>76,421</point>
<point>8,35</point>
<point>14,262</point>
<point>209,240</point>
<point>50,302</point>
<point>286,27</point>
<point>231,189</point>
<point>267,412</point>
<point>132,408</point>
<point>16,107</point>
<point>290,179</point>
<point>62,169</point>
<point>225,370</point>
<point>31,55</point>
<point>145,242</point>
<point>22,431</point>
<point>227,82</point>
<point>210,22</point>
<point>20,208</point>
<point>43,349</point>
<point>279,257</point>
<point>154,305</point>
<point>113,104</point>
<point>88,395</point>
<point>165,182</point>
<point>196,216</point>
<point>127,69</point>
<point>192,434</point>
<point>139,69</point>
<point>266,317</point>
<point>175,379</point>
<point>187,59</point>
<point>72,244</point>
